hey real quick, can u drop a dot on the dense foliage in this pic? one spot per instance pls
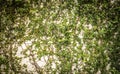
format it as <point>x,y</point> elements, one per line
<point>72,36</point>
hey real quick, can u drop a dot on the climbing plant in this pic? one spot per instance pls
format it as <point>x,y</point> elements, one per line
<point>71,36</point>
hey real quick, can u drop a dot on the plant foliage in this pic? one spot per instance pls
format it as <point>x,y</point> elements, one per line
<point>72,36</point>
